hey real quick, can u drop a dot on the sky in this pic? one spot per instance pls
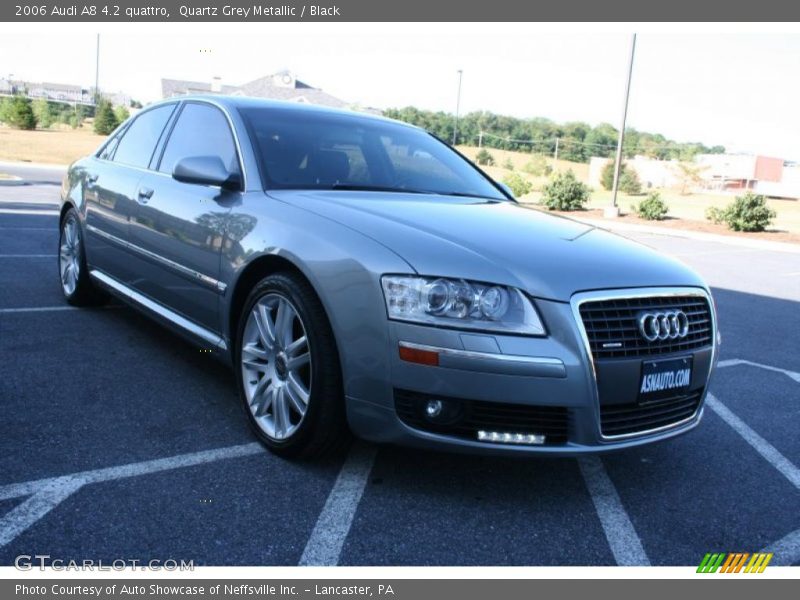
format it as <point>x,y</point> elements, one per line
<point>740,90</point>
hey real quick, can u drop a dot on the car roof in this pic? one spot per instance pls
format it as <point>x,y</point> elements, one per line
<point>233,102</point>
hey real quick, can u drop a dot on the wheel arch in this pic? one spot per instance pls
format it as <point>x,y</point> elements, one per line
<point>256,270</point>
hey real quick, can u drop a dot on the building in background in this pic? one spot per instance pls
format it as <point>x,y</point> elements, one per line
<point>59,92</point>
<point>283,85</point>
<point>723,173</point>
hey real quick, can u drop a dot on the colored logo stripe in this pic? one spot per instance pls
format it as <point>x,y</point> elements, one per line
<point>733,562</point>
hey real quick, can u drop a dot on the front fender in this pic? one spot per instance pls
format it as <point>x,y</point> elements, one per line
<point>343,266</point>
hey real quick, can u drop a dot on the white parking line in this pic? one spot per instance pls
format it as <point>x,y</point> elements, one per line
<point>762,446</point>
<point>327,539</point>
<point>626,546</point>
<point>34,508</point>
<point>47,493</point>
<point>738,361</point>
<point>786,550</point>
<point>37,309</point>
<point>27,255</point>
<point>53,229</point>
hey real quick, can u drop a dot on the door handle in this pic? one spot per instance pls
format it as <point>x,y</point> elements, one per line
<point>145,194</point>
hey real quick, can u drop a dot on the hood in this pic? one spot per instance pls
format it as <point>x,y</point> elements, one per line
<point>498,242</point>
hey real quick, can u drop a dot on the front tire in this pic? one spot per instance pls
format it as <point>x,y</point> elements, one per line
<point>288,369</point>
<point>76,284</point>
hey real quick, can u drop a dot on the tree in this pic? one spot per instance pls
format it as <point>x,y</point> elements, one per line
<point>629,182</point>
<point>5,109</point>
<point>121,113</point>
<point>484,158</point>
<point>41,110</point>
<point>689,176</point>
<point>77,117</point>
<point>19,113</point>
<point>628,178</point>
<point>105,121</point>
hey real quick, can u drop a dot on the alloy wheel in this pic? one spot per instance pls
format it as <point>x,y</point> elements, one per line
<point>276,366</point>
<point>69,256</point>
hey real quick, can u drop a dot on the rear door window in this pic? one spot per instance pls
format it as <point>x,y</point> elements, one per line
<point>140,138</point>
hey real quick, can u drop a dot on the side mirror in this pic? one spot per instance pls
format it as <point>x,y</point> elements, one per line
<point>506,189</point>
<point>206,170</point>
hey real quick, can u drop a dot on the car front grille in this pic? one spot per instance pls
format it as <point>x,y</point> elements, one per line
<point>623,419</point>
<point>613,331</point>
<point>472,416</point>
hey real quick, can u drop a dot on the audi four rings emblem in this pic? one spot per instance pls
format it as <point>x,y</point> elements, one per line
<point>667,325</point>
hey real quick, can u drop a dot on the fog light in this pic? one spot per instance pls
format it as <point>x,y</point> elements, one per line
<point>433,408</point>
<point>507,437</point>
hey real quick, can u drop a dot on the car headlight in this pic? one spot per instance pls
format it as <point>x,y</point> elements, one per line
<point>461,304</point>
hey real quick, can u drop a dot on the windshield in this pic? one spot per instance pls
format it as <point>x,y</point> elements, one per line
<point>307,150</point>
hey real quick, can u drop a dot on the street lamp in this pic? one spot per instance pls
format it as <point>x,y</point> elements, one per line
<point>613,210</point>
<point>458,105</point>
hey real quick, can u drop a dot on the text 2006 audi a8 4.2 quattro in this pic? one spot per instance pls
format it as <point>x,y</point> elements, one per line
<point>360,275</point>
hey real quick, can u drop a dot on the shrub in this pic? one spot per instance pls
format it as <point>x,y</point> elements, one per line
<point>628,179</point>
<point>565,192</point>
<point>19,113</point>
<point>629,182</point>
<point>652,208</point>
<point>484,158</point>
<point>607,175</point>
<point>105,121</point>
<point>748,212</point>
<point>519,186</point>
<point>538,166</point>
<point>43,113</point>
<point>508,164</point>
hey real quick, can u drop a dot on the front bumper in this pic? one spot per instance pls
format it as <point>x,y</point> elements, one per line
<point>553,371</point>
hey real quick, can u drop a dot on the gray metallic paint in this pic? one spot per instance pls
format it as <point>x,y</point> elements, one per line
<point>343,242</point>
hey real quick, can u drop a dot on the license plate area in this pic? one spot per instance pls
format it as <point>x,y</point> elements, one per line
<point>662,379</point>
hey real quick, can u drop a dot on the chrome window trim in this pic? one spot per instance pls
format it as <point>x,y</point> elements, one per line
<point>180,104</point>
<point>598,296</point>
<point>215,284</point>
<point>160,310</point>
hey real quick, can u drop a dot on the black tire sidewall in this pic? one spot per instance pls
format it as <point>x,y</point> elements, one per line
<point>325,373</point>
<point>83,285</point>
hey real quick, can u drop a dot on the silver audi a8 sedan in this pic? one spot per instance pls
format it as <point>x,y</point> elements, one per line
<point>360,275</point>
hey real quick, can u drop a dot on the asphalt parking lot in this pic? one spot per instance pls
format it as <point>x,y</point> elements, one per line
<point>120,441</point>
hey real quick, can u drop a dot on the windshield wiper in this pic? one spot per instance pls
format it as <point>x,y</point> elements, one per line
<point>374,188</point>
<point>468,195</point>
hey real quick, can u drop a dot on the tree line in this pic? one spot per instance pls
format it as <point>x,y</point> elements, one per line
<point>23,113</point>
<point>577,141</point>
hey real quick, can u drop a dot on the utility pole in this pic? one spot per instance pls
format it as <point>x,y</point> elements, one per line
<point>458,106</point>
<point>555,155</point>
<point>613,210</point>
<point>97,72</point>
<point>480,139</point>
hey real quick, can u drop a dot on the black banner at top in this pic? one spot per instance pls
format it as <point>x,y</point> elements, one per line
<point>398,10</point>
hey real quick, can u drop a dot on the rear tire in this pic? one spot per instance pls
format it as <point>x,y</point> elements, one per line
<point>288,369</point>
<point>76,284</point>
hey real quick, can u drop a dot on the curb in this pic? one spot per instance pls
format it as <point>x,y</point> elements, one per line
<point>32,165</point>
